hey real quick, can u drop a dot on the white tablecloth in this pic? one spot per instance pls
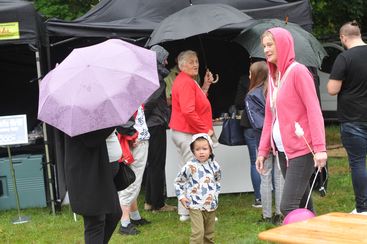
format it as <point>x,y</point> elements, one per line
<point>234,162</point>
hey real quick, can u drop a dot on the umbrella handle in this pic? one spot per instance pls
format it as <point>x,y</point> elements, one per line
<point>216,79</point>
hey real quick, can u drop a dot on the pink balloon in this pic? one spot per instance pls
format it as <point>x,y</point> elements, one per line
<point>297,215</point>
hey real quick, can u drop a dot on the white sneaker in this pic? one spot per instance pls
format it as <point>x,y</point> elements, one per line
<point>184,218</point>
<point>355,212</point>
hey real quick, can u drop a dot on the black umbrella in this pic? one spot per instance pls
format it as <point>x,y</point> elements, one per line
<point>308,49</point>
<point>197,19</point>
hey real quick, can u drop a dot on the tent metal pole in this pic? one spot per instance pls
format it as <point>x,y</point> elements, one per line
<point>64,41</point>
<point>49,176</point>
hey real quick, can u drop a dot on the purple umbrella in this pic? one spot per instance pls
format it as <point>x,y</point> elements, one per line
<point>97,87</point>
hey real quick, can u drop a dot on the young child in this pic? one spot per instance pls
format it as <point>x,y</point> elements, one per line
<point>197,188</point>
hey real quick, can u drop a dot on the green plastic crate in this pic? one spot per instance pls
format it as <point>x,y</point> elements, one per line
<point>29,178</point>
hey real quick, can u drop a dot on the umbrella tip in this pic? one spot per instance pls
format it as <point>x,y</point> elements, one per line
<point>286,19</point>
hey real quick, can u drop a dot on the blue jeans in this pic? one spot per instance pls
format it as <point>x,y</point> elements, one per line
<point>252,138</point>
<point>354,139</point>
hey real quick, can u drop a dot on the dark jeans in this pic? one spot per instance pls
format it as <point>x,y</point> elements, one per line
<point>354,139</point>
<point>252,138</point>
<point>296,182</point>
<point>155,169</point>
<point>99,229</point>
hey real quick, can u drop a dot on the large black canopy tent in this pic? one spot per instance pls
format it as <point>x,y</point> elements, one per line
<point>134,21</point>
<point>20,40</point>
<point>22,35</point>
<point>131,19</point>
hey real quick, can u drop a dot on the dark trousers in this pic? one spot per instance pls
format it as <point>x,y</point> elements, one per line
<point>296,182</point>
<point>155,169</point>
<point>98,229</point>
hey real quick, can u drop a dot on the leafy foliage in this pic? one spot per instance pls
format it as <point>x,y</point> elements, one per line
<point>330,15</point>
<point>64,9</point>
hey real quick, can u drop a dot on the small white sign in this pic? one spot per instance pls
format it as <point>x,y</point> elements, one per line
<point>13,130</point>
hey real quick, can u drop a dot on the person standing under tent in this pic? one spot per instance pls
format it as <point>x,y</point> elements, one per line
<point>128,197</point>
<point>156,113</point>
<point>191,109</point>
<point>271,177</point>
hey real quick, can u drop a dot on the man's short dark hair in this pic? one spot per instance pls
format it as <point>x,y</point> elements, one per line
<point>350,28</point>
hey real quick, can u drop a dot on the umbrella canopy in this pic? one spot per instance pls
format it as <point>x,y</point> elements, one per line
<point>97,87</point>
<point>195,20</point>
<point>308,49</point>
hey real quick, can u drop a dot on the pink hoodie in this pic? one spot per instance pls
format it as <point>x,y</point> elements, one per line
<point>296,102</point>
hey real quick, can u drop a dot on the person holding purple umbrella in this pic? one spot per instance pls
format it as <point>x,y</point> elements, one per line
<point>89,180</point>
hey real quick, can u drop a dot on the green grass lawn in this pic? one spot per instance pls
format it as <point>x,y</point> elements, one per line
<point>237,219</point>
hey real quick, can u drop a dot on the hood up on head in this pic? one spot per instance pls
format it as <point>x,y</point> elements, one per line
<point>205,136</point>
<point>162,54</point>
<point>285,50</point>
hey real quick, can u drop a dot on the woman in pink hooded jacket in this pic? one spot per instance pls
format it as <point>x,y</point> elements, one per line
<point>291,99</point>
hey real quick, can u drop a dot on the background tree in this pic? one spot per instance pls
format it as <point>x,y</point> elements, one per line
<point>64,9</point>
<point>329,15</point>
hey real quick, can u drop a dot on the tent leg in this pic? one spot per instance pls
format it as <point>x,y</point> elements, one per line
<point>49,175</point>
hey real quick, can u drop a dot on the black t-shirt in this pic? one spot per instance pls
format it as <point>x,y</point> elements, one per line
<point>351,67</point>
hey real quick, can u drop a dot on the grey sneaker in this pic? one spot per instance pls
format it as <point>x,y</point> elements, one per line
<point>277,219</point>
<point>257,203</point>
<point>128,230</point>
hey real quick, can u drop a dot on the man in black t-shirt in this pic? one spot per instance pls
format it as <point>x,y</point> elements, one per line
<point>348,80</point>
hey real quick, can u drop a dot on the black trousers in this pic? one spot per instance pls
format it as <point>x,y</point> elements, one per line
<point>155,170</point>
<point>98,229</point>
<point>296,185</point>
